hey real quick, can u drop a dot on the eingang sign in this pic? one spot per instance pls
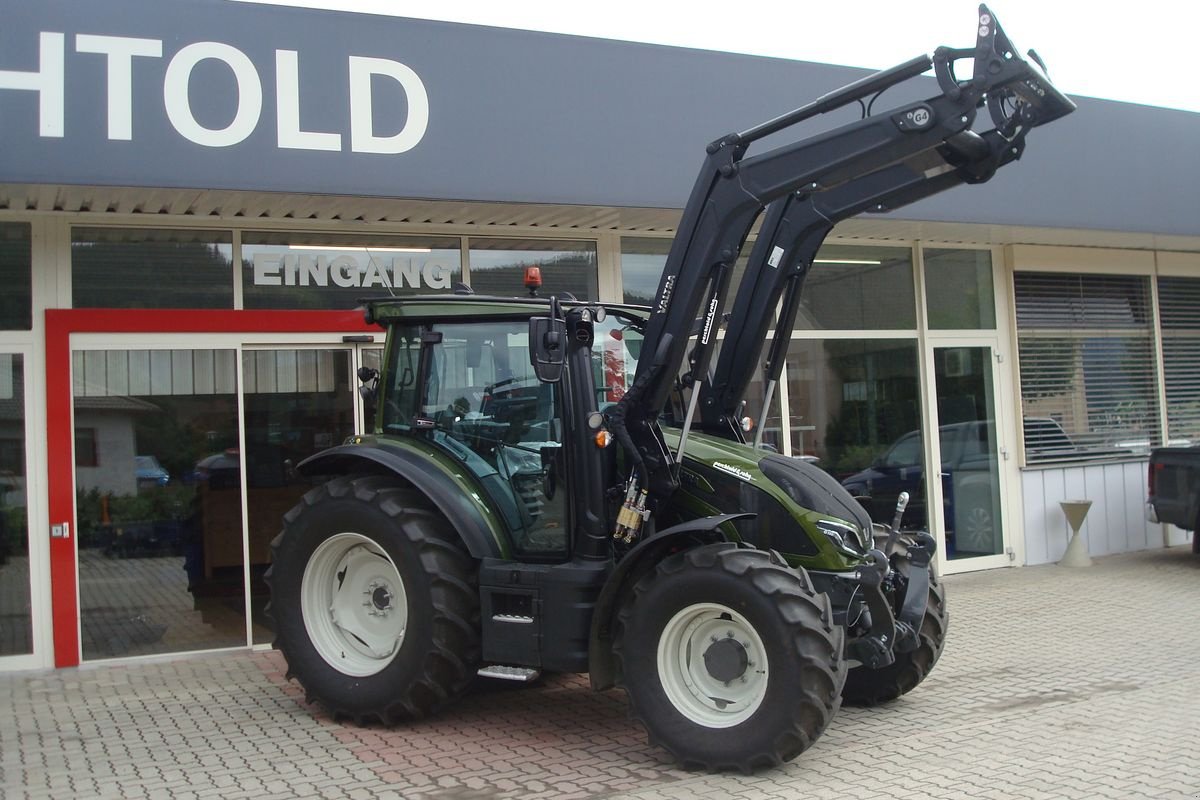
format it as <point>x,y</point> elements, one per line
<point>352,271</point>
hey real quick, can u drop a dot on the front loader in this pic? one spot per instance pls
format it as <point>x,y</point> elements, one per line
<point>490,526</point>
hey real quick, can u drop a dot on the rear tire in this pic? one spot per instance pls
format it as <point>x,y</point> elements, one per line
<point>871,687</point>
<point>731,660</point>
<point>374,601</point>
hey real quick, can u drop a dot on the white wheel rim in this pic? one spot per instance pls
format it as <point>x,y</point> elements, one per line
<point>354,604</point>
<point>712,665</point>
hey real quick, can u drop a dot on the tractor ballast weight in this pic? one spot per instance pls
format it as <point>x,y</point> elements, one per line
<point>487,528</point>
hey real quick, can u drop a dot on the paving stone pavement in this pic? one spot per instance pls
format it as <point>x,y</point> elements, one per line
<point>1055,683</point>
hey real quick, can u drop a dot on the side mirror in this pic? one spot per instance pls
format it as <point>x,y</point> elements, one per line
<point>547,348</point>
<point>370,384</point>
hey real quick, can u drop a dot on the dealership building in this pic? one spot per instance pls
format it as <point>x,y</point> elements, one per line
<point>194,196</point>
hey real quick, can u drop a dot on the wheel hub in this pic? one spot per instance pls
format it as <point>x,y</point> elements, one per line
<point>354,604</point>
<point>380,597</point>
<point>712,665</point>
<point>726,659</point>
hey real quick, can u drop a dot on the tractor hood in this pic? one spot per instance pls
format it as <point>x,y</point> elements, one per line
<point>821,515</point>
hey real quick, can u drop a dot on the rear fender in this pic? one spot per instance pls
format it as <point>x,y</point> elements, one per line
<point>482,537</point>
<point>602,668</point>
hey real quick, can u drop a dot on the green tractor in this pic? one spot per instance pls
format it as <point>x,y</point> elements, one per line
<point>556,485</point>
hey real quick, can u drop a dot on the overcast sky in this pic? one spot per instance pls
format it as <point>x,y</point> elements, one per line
<point>1141,52</point>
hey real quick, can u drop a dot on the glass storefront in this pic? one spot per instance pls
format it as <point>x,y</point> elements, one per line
<point>16,634</point>
<point>158,501</point>
<point>172,553</point>
<point>151,268</point>
<point>498,267</point>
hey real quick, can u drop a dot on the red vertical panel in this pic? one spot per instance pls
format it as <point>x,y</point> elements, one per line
<point>60,480</point>
<point>60,468</point>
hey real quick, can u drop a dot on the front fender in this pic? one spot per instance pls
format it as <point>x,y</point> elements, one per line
<point>451,493</point>
<point>696,532</point>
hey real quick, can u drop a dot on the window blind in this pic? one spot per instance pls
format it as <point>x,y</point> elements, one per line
<point>1088,378</point>
<point>1179,312</point>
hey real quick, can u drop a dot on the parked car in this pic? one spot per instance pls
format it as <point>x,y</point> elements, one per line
<point>1173,484</point>
<point>149,472</point>
<point>969,486</point>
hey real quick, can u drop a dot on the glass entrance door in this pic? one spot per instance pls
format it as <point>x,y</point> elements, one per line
<point>158,506</point>
<point>297,401</point>
<point>970,456</point>
<point>16,612</point>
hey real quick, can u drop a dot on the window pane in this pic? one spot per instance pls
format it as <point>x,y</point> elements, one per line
<point>482,403</point>
<point>642,262</point>
<point>1086,349</point>
<point>958,290</point>
<point>1179,307</point>
<point>16,276</point>
<point>16,637</point>
<point>296,403</point>
<point>282,269</point>
<point>160,507</point>
<point>498,267</point>
<point>859,288</point>
<point>855,407</point>
<point>151,268</point>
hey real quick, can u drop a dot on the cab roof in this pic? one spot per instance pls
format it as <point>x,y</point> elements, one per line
<point>443,307</point>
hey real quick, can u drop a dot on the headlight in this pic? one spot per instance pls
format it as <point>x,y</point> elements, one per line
<point>843,536</point>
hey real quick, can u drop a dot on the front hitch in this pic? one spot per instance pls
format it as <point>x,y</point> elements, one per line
<point>894,624</point>
<point>916,597</point>
<point>874,650</point>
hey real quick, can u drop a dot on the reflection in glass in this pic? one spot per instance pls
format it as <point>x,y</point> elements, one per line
<point>158,502</point>
<point>151,268</point>
<point>859,288</point>
<point>968,449</point>
<point>498,267</point>
<point>371,358</point>
<point>15,613</point>
<point>642,262</point>
<point>1088,366</point>
<point>958,290</point>
<point>1179,310</point>
<point>297,402</point>
<point>16,276</point>
<point>285,269</point>
<point>855,409</point>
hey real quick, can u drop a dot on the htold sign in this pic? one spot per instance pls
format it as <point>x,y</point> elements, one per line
<point>120,58</point>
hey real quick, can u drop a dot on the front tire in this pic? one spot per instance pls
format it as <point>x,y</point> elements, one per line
<point>374,601</point>
<point>871,687</point>
<point>730,659</point>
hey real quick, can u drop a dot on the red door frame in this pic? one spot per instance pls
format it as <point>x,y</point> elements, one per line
<point>60,471</point>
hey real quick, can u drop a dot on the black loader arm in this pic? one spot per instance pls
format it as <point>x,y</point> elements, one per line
<point>732,189</point>
<point>792,232</point>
